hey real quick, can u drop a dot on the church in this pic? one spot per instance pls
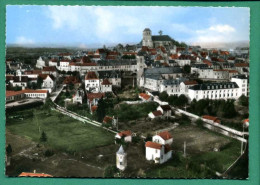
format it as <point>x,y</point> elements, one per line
<point>154,41</point>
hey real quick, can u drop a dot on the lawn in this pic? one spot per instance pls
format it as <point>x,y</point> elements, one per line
<point>63,133</point>
<point>126,112</point>
<point>202,161</point>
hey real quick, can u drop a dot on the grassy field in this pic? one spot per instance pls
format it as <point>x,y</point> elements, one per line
<point>201,160</point>
<point>63,133</point>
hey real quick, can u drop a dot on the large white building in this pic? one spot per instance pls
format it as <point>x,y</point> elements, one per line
<point>220,90</point>
<point>40,63</point>
<point>242,82</point>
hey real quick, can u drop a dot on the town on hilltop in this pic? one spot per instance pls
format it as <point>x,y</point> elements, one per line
<point>158,108</point>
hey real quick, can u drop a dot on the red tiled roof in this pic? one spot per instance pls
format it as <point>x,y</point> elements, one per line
<point>96,56</point>
<point>26,174</point>
<point>13,93</point>
<point>145,48</point>
<point>165,135</point>
<point>151,144</point>
<point>246,120</point>
<point>54,60</point>
<point>71,79</point>
<point>34,91</point>
<point>190,82</point>
<point>49,68</point>
<point>166,107</point>
<point>111,57</point>
<point>33,72</point>
<point>232,71</point>
<point>125,133</point>
<point>174,56</point>
<point>91,75</point>
<point>94,108</point>
<point>92,96</point>
<point>100,51</point>
<point>159,57</point>
<point>106,82</point>
<point>107,119</point>
<point>207,62</point>
<point>86,59</point>
<point>129,53</point>
<point>157,113</point>
<point>215,119</point>
<point>144,96</point>
<point>241,64</point>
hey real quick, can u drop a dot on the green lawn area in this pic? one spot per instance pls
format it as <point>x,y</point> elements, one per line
<point>127,112</point>
<point>63,133</point>
<point>203,165</point>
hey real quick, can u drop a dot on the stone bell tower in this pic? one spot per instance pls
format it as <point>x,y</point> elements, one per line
<point>121,161</point>
<point>147,38</point>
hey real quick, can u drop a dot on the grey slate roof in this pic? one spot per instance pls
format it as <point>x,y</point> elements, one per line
<point>116,62</point>
<point>109,74</point>
<point>121,150</point>
<point>161,38</point>
<point>213,86</point>
<point>174,81</point>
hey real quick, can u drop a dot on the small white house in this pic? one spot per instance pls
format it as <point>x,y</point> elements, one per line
<point>157,152</point>
<point>155,114</point>
<point>163,138</point>
<point>165,109</point>
<point>106,86</point>
<point>127,135</point>
<point>92,83</point>
<point>78,97</point>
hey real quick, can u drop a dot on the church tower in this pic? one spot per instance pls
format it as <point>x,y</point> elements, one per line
<point>147,38</point>
<point>121,162</point>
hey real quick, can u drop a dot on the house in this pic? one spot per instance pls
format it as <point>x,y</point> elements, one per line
<point>106,86</point>
<point>64,65</point>
<point>172,86</point>
<point>40,63</point>
<point>92,83</point>
<point>155,114</point>
<point>17,81</point>
<point>163,138</point>
<point>246,122</point>
<point>53,62</point>
<point>211,119</point>
<point>42,94</point>
<point>220,90</point>
<point>11,96</point>
<point>157,152</point>
<point>145,97</point>
<point>127,135</point>
<point>50,70</point>
<point>165,109</point>
<point>78,97</point>
<point>49,82</point>
<point>113,76</point>
<point>93,98</point>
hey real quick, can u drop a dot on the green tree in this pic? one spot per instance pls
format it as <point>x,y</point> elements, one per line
<point>101,110</point>
<point>243,100</point>
<point>110,171</point>
<point>43,137</point>
<point>39,82</point>
<point>186,69</point>
<point>163,96</point>
<point>9,149</point>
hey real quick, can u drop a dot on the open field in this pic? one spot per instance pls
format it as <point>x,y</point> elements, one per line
<point>63,133</point>
<point>201,161</point>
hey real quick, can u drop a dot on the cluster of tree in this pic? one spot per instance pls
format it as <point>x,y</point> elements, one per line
<point>128,57</point>
<point>243,100</point>
<point>221,108</point>
<point>32,85</point>
<point>186,69</point>
<point>43,137</point>
<point>13,88</point>
<point>111,171</point>
<point>178,101</point>
<point>39,82</point>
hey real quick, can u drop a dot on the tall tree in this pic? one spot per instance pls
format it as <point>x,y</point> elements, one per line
<point>43,137</point>
<point>39,82</point>
<point>101,110</point>
<point>9,149</point>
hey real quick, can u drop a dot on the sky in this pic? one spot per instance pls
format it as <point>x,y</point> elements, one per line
<point>93,26</point>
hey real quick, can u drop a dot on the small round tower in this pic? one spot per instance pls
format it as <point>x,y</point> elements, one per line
<point>121,161</point>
